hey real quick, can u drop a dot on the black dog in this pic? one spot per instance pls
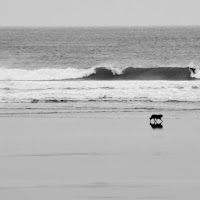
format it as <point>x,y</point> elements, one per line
<point>156,117</point>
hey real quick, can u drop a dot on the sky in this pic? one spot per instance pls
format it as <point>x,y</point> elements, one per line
<point>99,12</point>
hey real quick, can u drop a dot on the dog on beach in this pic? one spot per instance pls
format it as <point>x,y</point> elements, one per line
<point>156,117</point>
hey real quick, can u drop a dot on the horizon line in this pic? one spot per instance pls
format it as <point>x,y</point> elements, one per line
<point>96,26</point>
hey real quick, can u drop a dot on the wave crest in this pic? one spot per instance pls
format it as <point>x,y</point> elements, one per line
<point>100,73</point>
<point>130,73</point>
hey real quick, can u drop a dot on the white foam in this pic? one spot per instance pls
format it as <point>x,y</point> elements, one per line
<point>43,74</point>
<point>26,91</point>
<point>53,74</point>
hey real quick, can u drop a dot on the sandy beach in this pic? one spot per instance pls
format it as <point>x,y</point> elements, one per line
<point>63,158</point>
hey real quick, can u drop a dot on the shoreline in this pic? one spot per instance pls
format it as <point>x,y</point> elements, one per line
<point>140,115</point>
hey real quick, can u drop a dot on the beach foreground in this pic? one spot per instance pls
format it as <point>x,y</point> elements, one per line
<point>113,158</point>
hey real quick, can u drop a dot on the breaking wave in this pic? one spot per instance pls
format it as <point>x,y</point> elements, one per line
<point>100,73</point>
<point>130,73</point>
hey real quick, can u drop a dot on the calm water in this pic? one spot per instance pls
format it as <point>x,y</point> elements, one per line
<point>87,47</point>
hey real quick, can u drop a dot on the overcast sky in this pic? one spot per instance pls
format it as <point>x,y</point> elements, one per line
<point>99,12</point>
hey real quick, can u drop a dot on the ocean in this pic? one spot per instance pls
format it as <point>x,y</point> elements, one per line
<point>119,70</point>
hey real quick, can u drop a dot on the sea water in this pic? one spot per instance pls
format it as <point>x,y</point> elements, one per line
<point>60,71</point>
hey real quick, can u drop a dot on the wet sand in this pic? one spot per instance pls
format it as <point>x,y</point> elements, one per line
<point>62,158</point>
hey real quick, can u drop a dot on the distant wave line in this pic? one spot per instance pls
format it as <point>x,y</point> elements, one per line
<point>101,99</point>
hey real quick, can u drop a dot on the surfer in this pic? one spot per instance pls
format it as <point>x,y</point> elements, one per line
<point>193,70</point>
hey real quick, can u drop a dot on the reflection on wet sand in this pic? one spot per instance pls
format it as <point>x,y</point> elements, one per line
<point>156,125</point>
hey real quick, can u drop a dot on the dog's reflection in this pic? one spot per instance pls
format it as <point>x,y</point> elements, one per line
<point>156,125</point>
